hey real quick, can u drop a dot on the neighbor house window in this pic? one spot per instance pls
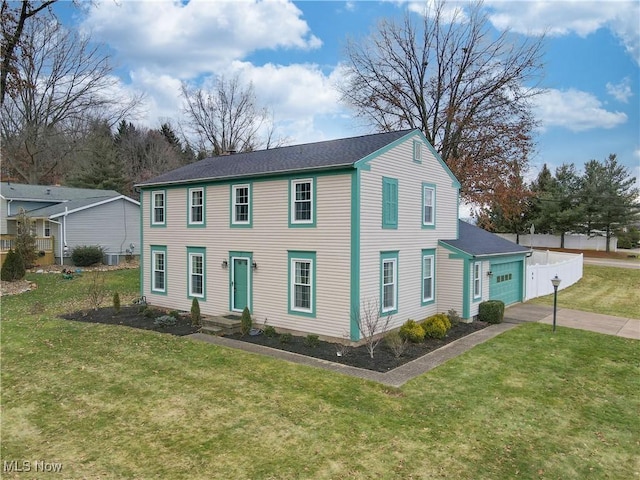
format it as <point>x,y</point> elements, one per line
<point>477,280</point>
<point>159,269</point>
<point>389,202</point>
<point>417,151</point>
<point>196,206</point>
<point>240,205</point>
<point>302,282</point>
<point>196,259</point>
<point>302,202</point>
<point>428,205</point>
<point>158,207</point>
<point>428,276</point>
<point>47,228</point>
<point>389,282</point>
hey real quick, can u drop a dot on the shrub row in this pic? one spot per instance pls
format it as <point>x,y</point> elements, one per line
<point>435,326</point>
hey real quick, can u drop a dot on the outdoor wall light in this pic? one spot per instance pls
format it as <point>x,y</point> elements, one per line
<point>254,265</point>
<point>225,264</point>
<point>489,274</point>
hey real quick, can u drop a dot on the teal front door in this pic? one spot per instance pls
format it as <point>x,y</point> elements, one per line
<point>240,284</point>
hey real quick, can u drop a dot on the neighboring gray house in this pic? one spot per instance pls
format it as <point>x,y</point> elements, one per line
<point>305,235</point>
<point>68,217</point>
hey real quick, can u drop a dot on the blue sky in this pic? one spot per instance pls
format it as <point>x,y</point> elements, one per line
<point>293,51</point>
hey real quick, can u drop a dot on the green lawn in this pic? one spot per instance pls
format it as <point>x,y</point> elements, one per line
<point>607,290</point>
<point>113,402</point>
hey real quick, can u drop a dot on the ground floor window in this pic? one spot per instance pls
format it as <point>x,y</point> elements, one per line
<point>477,280</point>
<point>302,282</point>
<point>389,282</point>
<point>428,276</point>
<point>196,271</point>
<point>158,269</point>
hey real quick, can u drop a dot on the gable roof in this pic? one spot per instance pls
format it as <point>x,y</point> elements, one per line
<point>49,193</point>
<point>477,242</point>
<point>343,152</point>
<point>72,206</point>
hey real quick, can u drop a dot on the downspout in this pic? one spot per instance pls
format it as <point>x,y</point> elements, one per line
<point>61,251</point>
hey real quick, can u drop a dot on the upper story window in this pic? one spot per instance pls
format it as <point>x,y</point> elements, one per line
<point>428,205</point>
<point>196,206</point>
<point>158,208</point>
<point>389,202</point>
<point>302,202</point>
<point>240,205</point>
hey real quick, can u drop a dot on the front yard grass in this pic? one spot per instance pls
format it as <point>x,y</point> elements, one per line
<point>113,402</point>
<point>606,290</point>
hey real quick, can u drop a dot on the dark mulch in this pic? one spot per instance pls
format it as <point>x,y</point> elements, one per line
<point>383,361</point>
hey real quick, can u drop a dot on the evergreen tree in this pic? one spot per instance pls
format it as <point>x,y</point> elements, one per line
<point>26,239</point>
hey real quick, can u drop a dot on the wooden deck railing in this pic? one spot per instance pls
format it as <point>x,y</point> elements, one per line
<point>43,244</point>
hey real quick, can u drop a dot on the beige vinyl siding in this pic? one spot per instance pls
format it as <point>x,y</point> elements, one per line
<point>410,237</point>
<point>484,286</point>
<point>450,275</point>
<point>268,240</point>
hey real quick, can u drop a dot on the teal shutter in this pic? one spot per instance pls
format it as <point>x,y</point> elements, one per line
<point>389,202</point>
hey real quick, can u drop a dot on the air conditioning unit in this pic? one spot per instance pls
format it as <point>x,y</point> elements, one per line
<point>111,259</point>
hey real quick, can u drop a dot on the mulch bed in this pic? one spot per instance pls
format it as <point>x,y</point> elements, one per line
<point>383,361</point>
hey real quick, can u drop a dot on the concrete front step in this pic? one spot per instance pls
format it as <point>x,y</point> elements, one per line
<point>221,325</point>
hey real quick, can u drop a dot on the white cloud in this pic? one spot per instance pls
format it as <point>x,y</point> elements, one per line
<point>621,91</point>
<point>574,110</point>
<point>199,36</point>
<point>570,16</point>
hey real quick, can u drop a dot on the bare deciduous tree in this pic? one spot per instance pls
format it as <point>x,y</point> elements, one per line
<point>463,87</point>
<point>371,324</point>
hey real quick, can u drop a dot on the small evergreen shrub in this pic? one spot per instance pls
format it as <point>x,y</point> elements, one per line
<point>396,343</point>
<point>454,318</point>
<point>164,321</point>
<point>286,338</point>
<point>245,322</point>
<point>269,331</point>
<point>175,314</point>
<point>149,313</point>
<point>312,341</point>
<point>196,317</point>
<point>491,311</point>
<point>13,267</point>
<point>87,255</point>
<point>116,302</point>
<point>436,326</point>
<point>412,331</point>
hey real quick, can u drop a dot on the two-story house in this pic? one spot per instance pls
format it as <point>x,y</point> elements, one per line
<point>305,235</point>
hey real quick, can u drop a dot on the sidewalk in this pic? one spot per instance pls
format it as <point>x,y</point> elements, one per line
<point>521,313</point>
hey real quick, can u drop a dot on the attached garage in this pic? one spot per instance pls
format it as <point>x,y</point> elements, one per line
<point>506,282</point>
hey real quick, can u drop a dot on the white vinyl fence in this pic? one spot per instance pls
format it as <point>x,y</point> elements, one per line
<point>542,266</point>
<point>571,241</point>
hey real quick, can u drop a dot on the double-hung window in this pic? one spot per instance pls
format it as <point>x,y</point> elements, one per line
<point>477,280</point>
<point>428,205</point>
<point>159,269</point>
<point>428,276</point>
<point>302,283</point>
<point>196,258</point>
<point>47,228</point>
<point>302,199</point>
<point>196,206</point>
<point>240,205</point>
<point>389,282</point>
<point>158,206</point>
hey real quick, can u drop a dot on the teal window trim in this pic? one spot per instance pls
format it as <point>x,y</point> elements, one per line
<point>428,196</point>
<point>389,265</point>
<point>192,254</point>
<point>234,222</point>
<point>305,223</point>
<point>389,203</point>
<point>476,280</point>
<point>191,208</point>
<point>155,208</point>
<point>417,151</point>
<point>302,260</point>
<point>159,265</point>
<point>354,310</point>
<point>428,272</point>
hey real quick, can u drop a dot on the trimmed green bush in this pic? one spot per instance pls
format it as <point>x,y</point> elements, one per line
<point>286,338</point>
<point>412,331</point>
<point>245,322</point>
<point>269,331</point>
<point>87,255</point>
<point>164,321</point>
<point>196,317</point>
<point>491,311</point>
<point>12,268</point>
<point>312,341</point>
<point>436,326</point>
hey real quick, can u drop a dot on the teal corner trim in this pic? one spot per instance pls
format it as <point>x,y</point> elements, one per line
<point>311,256</point>
<point>354,309</point>
<point>466,300</point>
<point>429,252</point>
<point>202,224</point>
<point>312,223</point>
<point>197,251</point>
<point>390,255</point>
<point>432,224</point>
<point>232,223</point>
<point>141,246</point>
<point>152,203</point>
<point>160,249</point>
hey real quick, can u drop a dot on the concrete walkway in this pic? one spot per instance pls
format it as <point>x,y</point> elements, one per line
<point>607,324</point>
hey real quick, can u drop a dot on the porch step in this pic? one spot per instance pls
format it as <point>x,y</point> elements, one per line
<point>221,324</point>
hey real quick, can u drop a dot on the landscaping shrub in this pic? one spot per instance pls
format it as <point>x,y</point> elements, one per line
<point>491,311</point>
<point>196,317</point>
<point>12,268</point>
<point>436,326</point>
<point>25,243</point>
<point>87,255</point>
<point>454,318</point>
<point>312,341</point>
<point>97,291</point>
<point>269,331</point>
<point>165,321</point>
<point>175,314</point>
<point>286,338</point>
<point>412,331</point>
<point>396,343</point>
<point>245,321</point>
<point>116,302</point>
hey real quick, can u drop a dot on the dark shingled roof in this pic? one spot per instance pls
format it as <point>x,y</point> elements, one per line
<point>342,152</point>
<point>478,242</point>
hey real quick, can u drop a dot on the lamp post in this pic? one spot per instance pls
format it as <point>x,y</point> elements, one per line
<point>555,281</point>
